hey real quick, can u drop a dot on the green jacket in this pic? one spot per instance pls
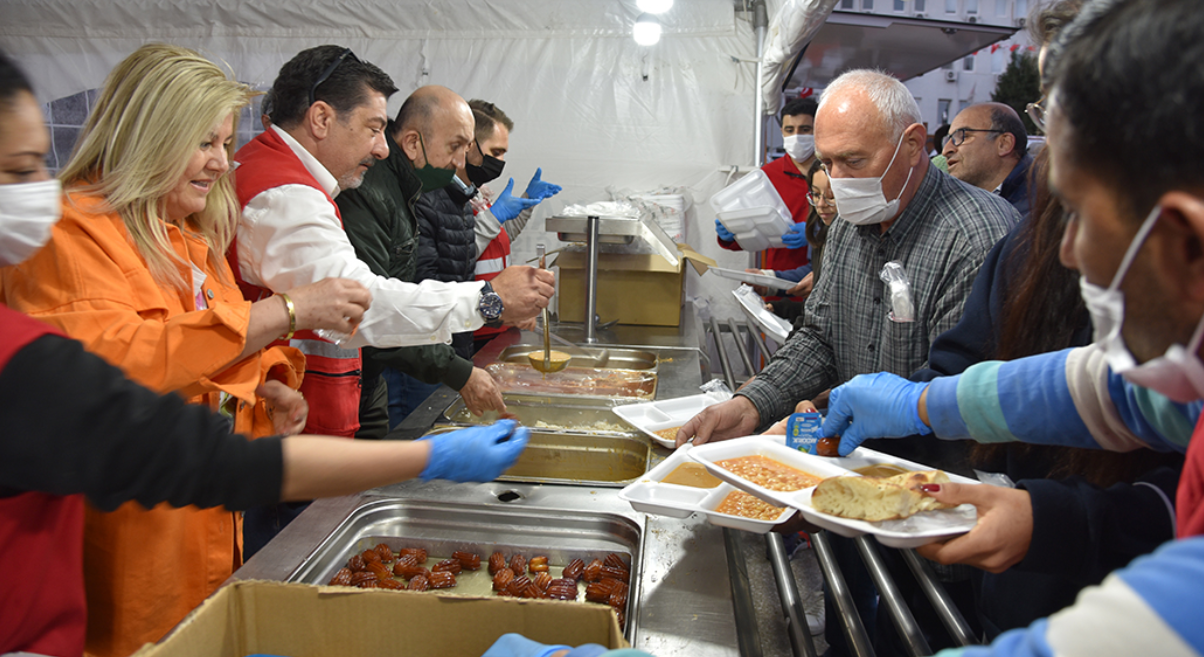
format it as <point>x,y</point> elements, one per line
<point>379,219</point>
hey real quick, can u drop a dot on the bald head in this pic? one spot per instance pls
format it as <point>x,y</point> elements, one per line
<point>986,142</point>
<point>435,125</point>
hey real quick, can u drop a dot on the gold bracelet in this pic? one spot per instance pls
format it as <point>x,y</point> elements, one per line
<point>292,316</point>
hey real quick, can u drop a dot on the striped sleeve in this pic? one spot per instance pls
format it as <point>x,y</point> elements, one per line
<point>1067,398</point>
<point>1150,608</point>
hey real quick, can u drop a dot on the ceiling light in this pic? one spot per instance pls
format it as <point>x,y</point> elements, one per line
<point>654,6</point>
<point>647,30</point>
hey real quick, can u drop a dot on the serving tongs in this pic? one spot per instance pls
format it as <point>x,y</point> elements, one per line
<point>544,361</point>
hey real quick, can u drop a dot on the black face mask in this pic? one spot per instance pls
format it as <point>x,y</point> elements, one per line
<point>489,169</point>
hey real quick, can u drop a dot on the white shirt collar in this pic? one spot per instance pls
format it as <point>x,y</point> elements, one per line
<point>311,163</point>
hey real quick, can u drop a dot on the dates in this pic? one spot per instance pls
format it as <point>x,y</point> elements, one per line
<point>468,560</point>
<point>390,584</point>
<point>341,578</point>
<point>419,583</point>
<point>518,563</point>
<point>442,580</point>
<point>418,554</point>
<point>380,570</point>
<point>356,564</point>
<point>385,552</point>
<point>496,563</point>
<point>538,565</point>
<point>574,570</point>
<point>359,578</point>
<point>502,579</point>
<point>593,572</point>
<point>447,566</point>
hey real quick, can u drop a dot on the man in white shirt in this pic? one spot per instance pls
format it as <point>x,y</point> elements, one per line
<point>328,119</point>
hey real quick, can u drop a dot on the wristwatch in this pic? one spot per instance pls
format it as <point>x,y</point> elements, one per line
<point>490,306</point>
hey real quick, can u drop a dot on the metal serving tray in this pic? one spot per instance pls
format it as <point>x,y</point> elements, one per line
<point>619,359</point>
<point>606,382</point>
<point>578,459</point>
<point>443,528</point>
<point>562,414</point>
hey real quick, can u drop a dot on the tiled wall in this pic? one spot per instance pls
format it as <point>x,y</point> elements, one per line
<point>66,117</point>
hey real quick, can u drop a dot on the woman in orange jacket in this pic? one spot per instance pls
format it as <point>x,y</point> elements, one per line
<point>136,270</point>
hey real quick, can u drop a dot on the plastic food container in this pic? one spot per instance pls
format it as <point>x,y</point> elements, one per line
<point>650,417</point>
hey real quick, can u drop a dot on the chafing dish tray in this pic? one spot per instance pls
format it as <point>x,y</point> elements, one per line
<point>578,459</point>
<point>620,359</point>
<point>582,415</point>
<point>443,528</point>
<point>577,381</point>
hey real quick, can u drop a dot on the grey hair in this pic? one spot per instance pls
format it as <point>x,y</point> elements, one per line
<point>891,97</point>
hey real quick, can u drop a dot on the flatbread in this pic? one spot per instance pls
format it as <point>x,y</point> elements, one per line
<point>874,499</point>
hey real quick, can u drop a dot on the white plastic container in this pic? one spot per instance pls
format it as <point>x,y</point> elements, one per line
<point>752,191</point>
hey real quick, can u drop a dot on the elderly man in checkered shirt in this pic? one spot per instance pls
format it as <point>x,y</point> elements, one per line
<point>894,207</point>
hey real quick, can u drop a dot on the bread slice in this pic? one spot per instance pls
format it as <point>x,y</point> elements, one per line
<point>874,499</point>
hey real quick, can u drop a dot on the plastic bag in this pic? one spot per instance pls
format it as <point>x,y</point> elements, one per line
<point>902,309</point>
<point>717,389</point>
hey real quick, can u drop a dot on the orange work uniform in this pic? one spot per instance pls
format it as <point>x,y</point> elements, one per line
<point>146,569</point>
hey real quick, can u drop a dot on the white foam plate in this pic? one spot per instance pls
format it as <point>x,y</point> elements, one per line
<point>771,282</point>
<point>920,529</point>
<point>768,447</point>
<point>777,328</point>
<point>663,414</point>
<point>650,495</point>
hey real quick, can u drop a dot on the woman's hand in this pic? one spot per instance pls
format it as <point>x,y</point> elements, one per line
<point>803,288</point>
<point>779,427</point>
<point>1003,533</point>
<point>335,304</point>
<point>287,407</point>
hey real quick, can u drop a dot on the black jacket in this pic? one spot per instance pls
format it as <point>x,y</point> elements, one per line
<point>447,245</point>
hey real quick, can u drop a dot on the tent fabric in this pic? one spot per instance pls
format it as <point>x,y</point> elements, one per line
<point>791,28</point>
<point>590,106</point>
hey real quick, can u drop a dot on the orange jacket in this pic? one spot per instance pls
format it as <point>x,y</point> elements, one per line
<point>145,570</point>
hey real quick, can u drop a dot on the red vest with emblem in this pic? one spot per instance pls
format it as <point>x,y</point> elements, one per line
<point>42,607</point>
<point>332,374</point>
<point>492,261</point>
<point>1189,499</point>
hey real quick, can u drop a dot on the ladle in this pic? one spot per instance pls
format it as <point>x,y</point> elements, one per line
<point>547,361</point>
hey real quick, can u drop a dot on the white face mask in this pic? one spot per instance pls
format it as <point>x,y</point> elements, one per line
<point>1179,374</point>
<point>800,147</point>
<point>861,200</point>
<point>27,213</point>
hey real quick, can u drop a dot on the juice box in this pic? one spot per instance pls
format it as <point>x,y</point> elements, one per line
<point>803,431</point>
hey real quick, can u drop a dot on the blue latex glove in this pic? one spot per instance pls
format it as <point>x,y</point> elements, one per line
<point>507,206</point>
<point>539,190</point>
<point>795,238</point>
<point>477,453</point>
<point>723,233</point>
<point>517,645</point>
<point>874,406</point>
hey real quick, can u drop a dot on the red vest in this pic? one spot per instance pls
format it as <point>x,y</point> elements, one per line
<point>491,262</point>
<point>1189,499</point>
<point>792,187</point>
<point>42,607</point>
<point>332,375</point>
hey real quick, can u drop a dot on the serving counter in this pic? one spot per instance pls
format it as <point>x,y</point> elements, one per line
<point>682,589</point>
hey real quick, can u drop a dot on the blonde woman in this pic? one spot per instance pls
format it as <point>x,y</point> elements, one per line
<point>136,270</point>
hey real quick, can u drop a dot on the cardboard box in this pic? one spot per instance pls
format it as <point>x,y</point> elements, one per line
<point>302,620</point>
<point>632,288</point>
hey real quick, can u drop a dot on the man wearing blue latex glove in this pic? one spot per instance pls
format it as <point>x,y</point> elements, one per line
<point>507,206</point>
<point>477,453</point>
<point>878,405</point>
<point>517,645</point>
<point>538,189</point>
<point>795,238</point>
<point>723,233</point>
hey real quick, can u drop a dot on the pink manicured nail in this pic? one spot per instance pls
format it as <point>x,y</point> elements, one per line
<point>930,488</point>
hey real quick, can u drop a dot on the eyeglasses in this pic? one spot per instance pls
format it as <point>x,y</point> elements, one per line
<point>330,71</point>
<point>958,137</point>
<point>1036,112</point>
<point>818,198</point>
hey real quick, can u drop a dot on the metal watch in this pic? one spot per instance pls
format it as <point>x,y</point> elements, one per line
<point>490,306</point>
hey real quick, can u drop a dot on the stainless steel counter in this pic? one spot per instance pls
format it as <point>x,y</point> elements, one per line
<point>685,605</point>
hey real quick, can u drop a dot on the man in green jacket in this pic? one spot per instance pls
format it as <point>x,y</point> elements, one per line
<point>428,142</point>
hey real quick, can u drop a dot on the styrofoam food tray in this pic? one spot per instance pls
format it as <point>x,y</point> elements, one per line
<point>709,453</point>
<point>649,495</point>
<point>756,224</point>
<point>778,328</point>
<point>656,415</point>
<point>753,190</point>
<point>771,282</point>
